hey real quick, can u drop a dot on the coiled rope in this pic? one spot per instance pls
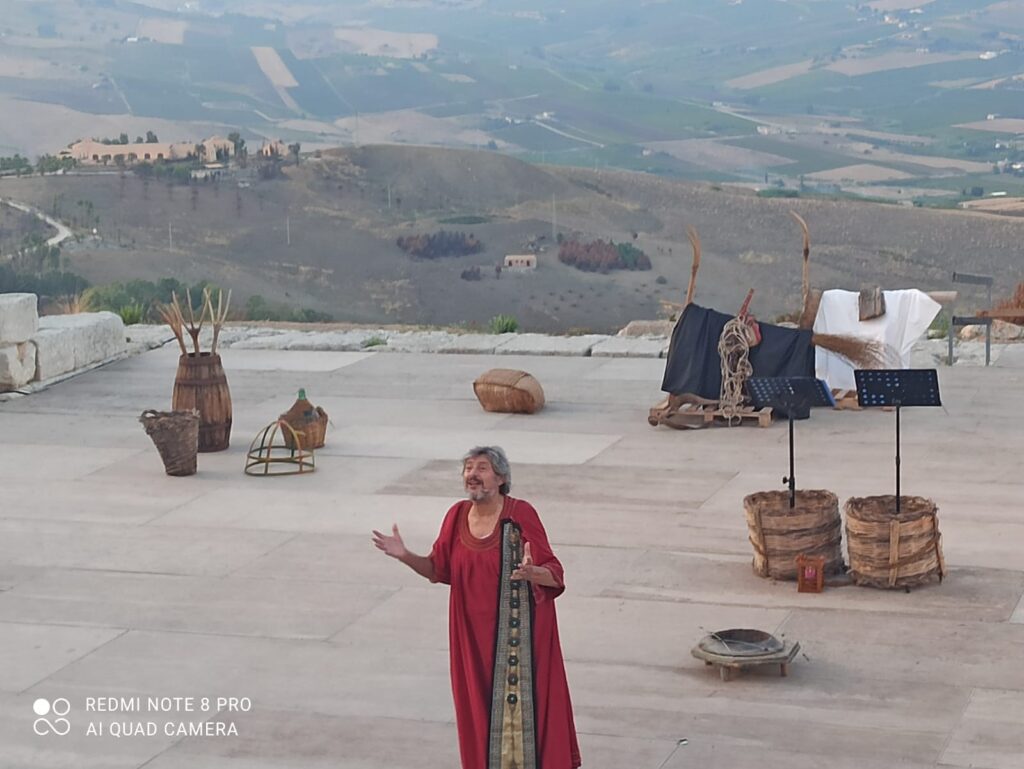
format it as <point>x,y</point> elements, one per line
<point>734,352</point>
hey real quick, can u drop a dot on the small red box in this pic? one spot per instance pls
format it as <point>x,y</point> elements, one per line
<point>810,573</point>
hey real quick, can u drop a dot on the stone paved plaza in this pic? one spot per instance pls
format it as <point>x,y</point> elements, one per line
<point>117,581</point>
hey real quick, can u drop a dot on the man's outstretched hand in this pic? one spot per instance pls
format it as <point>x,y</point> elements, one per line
<point>527,570</point>
<point>393,545</point>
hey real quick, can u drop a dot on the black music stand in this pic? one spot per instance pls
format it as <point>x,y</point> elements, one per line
<point>897,388</point>
<point>794,396</point>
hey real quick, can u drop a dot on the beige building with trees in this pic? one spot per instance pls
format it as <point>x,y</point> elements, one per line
<point>93,152</point>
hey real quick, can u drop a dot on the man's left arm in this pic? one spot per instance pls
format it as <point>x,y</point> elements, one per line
<point>541,567</point>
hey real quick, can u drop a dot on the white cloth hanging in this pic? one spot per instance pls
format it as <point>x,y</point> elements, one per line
<point>908,313</point>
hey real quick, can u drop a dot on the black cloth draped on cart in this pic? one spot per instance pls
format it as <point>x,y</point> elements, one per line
<point>694,366</point>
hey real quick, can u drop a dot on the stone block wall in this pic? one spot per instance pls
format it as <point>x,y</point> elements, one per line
<point>19,320</point>
<point>34,349</point>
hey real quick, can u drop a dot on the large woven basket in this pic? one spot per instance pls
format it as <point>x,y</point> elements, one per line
<point>176,435</point>
<point>509,391</point>
<point>889,550</point>
<point>780,533</point>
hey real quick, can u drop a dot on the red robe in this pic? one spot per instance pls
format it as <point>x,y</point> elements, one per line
<point>472,566</point>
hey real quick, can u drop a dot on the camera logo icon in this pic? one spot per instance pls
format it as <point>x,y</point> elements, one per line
<point>60,707</point>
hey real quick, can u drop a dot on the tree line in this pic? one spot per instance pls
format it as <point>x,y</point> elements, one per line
<point>439,244</point>
<point>45,164</point>
<point>601,256</point>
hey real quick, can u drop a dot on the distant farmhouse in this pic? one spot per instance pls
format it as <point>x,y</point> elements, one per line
<point>520,262</point>
<point>92,152</point>
<point>273,149</point>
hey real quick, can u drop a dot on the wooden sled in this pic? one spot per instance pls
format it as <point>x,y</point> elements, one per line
<point>691,412</point>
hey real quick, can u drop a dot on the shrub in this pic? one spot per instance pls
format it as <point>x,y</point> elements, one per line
<point>132,313</point>
<point>504,324</point>
<point>1014,302</point>
<point>258,308</point>
<point>940,325</point>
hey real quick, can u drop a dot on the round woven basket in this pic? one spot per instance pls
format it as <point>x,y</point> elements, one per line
<point>780,533</point>
<point>889,550</point>
<point>176,435</point>
<point>509,391</point>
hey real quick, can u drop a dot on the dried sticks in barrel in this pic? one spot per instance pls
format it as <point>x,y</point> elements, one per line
<point>218,316</point>
<point>182,322</point>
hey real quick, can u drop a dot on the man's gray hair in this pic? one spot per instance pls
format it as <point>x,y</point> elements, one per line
<point>499,463</point>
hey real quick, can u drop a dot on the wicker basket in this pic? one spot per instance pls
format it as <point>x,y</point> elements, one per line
<point>309,421</point>
<point>176,435</point>
<point>889,550</point>
<point>780,533</point>
<point>509,391</point>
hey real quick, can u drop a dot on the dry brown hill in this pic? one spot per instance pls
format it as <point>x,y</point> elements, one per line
<point>343,258</point>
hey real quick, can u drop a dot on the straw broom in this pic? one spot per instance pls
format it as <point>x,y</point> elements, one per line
<point>862,353</point>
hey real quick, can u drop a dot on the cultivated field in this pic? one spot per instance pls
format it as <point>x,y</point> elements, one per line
<point>381,42</point>
<point>772,75</point>
<point>13,65</point>
<point>998,125</point>
<point>171,31</point>
<point>277,71</point>
<point>860,173</point>
<point>1008,206</point>
<point>711,153</point>
<point>866,65</point>
<point>47,128</point>
<point>411,127</point>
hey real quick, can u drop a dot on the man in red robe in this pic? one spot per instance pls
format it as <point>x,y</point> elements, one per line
<point>467,556</point>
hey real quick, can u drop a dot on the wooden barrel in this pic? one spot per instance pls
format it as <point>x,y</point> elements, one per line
<point>889,550</point>
<point>202,385</point>
<point>780,533</point>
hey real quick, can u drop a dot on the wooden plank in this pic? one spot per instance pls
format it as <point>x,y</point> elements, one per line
<point>871,303</point>
<point>747,414</point>
<point>1001,313</point>
<point>943,297</point>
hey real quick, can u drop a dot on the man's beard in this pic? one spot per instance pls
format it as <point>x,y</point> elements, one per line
<point>479,493</point>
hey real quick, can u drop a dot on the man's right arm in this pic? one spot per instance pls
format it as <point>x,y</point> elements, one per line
<point>424,565</point>
<point>420,564</point>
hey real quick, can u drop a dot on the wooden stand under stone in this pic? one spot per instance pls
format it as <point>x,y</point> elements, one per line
<point>729,665</point>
